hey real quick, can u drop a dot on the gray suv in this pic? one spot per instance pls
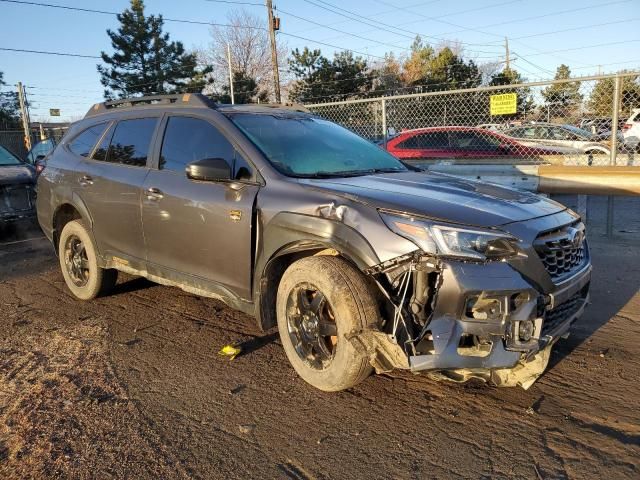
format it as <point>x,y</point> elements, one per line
<point>361,261</point>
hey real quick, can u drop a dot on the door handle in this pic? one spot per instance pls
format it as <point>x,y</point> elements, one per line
<point>85,180</point>
<point>153,193</point>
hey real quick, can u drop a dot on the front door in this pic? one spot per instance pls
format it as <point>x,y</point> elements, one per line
<point>201,230</point>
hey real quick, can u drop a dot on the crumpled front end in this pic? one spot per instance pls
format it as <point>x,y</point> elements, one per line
<point>458,320</point>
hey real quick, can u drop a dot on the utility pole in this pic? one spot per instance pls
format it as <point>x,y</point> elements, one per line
<point>508,58</point>
<point>230,74</point>
<point>26,122</point>
<point>273,26</point>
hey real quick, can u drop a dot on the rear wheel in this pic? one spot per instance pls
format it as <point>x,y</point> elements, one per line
<point>320,300</point>
<point>79,263</point>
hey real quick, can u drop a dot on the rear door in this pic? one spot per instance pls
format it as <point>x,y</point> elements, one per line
<point>111,186</point>
<point>197,230</point>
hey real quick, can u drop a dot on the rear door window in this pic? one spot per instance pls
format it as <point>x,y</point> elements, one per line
<point>131,142</point>
<point>188,139</point>
<point>427,140</point>
<point>475,141</point>
<point>83,144</point>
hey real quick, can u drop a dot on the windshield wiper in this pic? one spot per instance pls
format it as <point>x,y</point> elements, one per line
<point>349,173</point>
<point>385,170</point>
<point>343,173</point>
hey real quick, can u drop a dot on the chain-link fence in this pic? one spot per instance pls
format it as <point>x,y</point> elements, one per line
<point>14,140</point>
<point>582,121</point>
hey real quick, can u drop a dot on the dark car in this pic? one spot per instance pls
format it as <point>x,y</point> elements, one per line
<point>361,261</point>
<point>39,152</point>
<point>439,143</point>
<point>17,188</point>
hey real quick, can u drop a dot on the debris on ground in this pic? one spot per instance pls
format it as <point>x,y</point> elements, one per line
<point>231,351</point>
<point>246,429</point>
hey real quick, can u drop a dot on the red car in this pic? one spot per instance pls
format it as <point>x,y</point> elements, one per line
<point>461,142</point>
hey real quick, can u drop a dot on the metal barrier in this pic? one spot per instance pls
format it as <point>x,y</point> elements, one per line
<point>551,179</point>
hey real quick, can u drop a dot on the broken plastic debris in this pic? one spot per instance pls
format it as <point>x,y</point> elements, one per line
<point>230,351</point>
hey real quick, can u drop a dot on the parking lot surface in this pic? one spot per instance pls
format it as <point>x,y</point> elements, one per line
<point>131,385</point>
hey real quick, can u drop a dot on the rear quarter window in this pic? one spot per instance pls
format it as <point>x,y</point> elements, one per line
<point>83,143</point>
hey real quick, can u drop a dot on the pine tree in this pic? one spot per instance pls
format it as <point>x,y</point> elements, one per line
<point>563,98</point>
<point>245,90</point>
<point>145,61</point>
<point>9,107</point>
<point>601,98</point>
<point>320,79</point>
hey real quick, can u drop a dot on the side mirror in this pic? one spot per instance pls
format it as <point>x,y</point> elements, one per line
<point>209,170</point>
<point>40,157</point>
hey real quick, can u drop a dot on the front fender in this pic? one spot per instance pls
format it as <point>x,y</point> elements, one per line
<point>290,233</point>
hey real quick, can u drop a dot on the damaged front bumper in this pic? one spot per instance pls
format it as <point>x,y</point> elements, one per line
<point>483,321</point>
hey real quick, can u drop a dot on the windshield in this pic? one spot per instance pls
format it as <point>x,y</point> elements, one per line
<point>578,131</point>
<point>8,158</point>
<point>303,146</point>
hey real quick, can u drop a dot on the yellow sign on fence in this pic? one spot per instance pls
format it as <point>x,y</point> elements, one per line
<point>503,104</point>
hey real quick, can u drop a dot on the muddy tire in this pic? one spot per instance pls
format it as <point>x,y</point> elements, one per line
<point>320,300</point>
<point>79,263</point>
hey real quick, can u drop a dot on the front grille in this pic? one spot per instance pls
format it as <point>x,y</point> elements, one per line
<point>563,312</point>
<point>563,251</point>
<point>15,199</point>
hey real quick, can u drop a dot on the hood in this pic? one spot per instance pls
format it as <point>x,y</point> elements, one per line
<point>16,175</point>
<point>442,197</point>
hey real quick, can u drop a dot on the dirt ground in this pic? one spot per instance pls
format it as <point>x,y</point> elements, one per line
<point>131,386</point>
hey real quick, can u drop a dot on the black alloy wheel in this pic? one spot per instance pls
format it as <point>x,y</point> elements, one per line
<point>76,261</point>
<point>312,326</point>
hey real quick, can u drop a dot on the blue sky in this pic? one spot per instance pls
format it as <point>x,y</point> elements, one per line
<point>542,33</point>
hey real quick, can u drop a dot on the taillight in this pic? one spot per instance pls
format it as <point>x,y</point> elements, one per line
<point>39,168</point>
<point>626,127</point>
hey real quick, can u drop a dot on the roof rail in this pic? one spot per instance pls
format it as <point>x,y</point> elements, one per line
<point>181,99</point>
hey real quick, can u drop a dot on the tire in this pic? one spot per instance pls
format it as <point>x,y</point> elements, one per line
<point>348,302</point>
<point>84,278</point>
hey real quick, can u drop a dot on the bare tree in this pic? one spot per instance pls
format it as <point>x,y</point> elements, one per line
<point>248,39</point>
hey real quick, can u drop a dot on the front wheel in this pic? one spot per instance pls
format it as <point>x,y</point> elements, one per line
<point>79,263</point>
<point>321,300</point>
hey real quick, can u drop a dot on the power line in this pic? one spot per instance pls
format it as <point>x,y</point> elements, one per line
<point>61,54</point>
<point>196,22</point>
<point>585,47</point>
<point>439,20</point>
<point>236,3</point>
<point>378,24</point>
<point>581,27</point>
<point>536,17</point>
<point>520,57</point>
<point>384,12</point>
<point>106,12</point>
<point>355,35</point>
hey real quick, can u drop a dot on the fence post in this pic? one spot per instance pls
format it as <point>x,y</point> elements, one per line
<point>617,92</point>
<point>384,123</point>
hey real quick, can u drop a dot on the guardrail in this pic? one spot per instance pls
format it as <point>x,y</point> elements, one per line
<point>550,179</point>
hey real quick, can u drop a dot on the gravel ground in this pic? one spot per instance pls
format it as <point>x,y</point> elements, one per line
<point>131,386</point>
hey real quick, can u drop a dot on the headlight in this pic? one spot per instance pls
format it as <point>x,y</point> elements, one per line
<point>452,241</point>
